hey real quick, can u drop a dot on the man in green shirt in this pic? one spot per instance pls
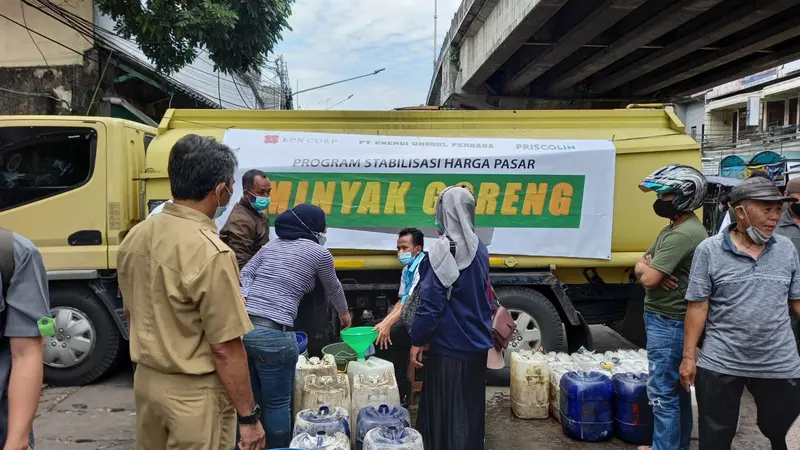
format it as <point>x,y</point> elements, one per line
<point>664,273</point>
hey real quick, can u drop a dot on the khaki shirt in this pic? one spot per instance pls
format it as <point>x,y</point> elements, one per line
<point>246,231</point>
<point>180,283</point>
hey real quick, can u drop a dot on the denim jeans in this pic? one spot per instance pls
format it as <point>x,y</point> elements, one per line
<point>272,357</point>
<point>672,405</point>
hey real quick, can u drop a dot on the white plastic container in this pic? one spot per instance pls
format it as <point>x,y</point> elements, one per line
<point>556,372</point>
<point>333,392</point>
<point>321,441</point>
<point>329,420</point>
<point>530,385</point>
<point>371,366</point>
<point>310,366</point>
<point>373,390</point>
<point>393,438</point>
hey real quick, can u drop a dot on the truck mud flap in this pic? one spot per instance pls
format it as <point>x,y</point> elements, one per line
<point>541,278</point>
<point>107,292</point>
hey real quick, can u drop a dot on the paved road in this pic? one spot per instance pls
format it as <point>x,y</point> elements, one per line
<point>102,416</point>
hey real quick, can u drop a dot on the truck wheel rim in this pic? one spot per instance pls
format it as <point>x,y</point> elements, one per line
<point>74,339</point>
<point>527,335</point>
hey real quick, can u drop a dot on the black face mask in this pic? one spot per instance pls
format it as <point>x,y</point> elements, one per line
<point>795,207</point>
<point>665,209</point>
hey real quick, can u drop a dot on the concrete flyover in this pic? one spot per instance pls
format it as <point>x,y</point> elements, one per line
<point>525,54</point>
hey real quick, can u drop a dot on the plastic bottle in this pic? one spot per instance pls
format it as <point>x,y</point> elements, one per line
<point>393,438</point>
<point>326,391</point>
<point>530,385</point>
<point>370,418</point>
<point>324,419</point>
<point>310,366</point>
<point>321,441</point>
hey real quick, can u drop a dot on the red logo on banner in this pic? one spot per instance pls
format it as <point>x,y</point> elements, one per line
<point>271,139</point>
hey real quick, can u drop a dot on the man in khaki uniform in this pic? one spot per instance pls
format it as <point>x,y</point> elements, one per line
<point>180,287</point>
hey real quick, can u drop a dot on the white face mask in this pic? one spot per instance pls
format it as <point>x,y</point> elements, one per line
<point>220,208</point>
<point>757,236</point>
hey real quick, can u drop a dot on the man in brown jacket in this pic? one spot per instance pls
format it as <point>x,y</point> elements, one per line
<point>247,228</point>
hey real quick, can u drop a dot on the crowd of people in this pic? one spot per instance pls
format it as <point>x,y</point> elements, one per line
<point>215,346</point>
<point>717,310</point>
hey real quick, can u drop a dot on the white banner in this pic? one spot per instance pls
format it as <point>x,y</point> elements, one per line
<point>537,197</point>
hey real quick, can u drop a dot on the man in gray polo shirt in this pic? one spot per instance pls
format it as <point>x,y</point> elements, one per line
<point>739,287</point>
<point>24,300</point>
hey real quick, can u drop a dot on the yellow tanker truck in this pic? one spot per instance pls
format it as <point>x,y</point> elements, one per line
<point>556,192</point>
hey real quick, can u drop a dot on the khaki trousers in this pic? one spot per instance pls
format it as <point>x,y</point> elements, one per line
<point>182,412</point>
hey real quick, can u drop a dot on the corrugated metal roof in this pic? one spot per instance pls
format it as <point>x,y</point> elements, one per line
<point>197,79</point>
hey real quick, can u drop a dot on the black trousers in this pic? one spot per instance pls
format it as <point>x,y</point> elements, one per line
<point>452,407</point>
<point>397,354</point>
<point>719,397</point>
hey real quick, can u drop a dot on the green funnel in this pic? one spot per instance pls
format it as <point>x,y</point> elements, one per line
<point>359,339</point>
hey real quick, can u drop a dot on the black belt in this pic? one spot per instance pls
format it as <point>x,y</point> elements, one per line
<point>262,322</point>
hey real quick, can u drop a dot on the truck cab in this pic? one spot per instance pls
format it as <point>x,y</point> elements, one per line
<point>70,185</point>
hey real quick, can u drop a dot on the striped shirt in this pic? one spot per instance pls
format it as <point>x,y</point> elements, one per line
<point>282,272</point>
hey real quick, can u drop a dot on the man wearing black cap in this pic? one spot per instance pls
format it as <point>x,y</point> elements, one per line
<point>738,290</point>
<point>789,226</point>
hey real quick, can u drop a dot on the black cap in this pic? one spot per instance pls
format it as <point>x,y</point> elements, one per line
<point>757,188</point>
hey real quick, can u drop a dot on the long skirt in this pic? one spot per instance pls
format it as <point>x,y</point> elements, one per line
<point>452,410</point>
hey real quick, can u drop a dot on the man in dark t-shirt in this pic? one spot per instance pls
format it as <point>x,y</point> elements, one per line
<point>664,273</point>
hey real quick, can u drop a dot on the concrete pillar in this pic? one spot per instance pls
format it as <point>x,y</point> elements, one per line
<point>786,112</point>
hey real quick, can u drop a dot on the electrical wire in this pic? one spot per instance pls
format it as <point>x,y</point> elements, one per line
<point>36,94</point>
<point>25,21</point>
<point>240,92</point>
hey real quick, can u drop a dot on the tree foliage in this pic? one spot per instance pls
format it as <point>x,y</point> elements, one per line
<point>238,34</point>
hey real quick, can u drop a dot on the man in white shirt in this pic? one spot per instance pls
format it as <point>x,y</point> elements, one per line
<point>393,340</point>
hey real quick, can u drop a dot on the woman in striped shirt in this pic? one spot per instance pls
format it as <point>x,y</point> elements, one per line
<point>273,283</point>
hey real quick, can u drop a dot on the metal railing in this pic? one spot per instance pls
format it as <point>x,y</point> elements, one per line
<point>778,139</point>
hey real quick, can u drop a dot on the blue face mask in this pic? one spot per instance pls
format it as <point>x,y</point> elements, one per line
<point>405,258</point>
<point>260,203</point>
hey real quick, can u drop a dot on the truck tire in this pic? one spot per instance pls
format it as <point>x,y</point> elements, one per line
<point>532,311</point>
<point>87,344</point>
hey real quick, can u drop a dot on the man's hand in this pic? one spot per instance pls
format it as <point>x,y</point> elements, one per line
<point>345,320</point>
<point>669,282</point>
<point>646,259</point>
<point>688,371</point>
<point>18,444</point>
<point>244,299</point>
<point>384,330</point>
<point>253,437</point>
<point>416,356</point>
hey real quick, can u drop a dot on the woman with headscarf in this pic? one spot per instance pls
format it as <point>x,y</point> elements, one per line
<point>273,283</point>
<point>454,319</point>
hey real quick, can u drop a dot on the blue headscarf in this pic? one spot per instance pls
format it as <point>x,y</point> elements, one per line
<point>304,221</point>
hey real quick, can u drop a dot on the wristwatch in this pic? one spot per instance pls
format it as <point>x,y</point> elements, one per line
<point>250,419</point>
